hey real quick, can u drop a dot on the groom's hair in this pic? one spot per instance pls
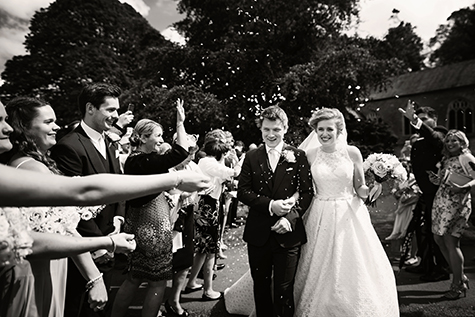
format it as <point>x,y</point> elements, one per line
<point>274,113</point>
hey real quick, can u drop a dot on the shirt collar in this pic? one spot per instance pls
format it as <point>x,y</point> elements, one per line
<point>91,133</point>
<point>278,148</point>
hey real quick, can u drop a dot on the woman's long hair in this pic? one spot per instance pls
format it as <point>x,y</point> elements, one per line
<point>21,112</point>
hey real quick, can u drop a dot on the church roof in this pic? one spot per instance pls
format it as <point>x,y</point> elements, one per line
<point>428,80</point>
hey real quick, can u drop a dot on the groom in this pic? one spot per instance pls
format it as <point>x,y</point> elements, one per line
<point>276,183</point>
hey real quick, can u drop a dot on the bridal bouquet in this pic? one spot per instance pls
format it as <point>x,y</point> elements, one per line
<point>15,241</point>
<point>383,167</point>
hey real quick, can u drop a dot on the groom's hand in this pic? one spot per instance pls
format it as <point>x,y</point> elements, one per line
<point>282,226</point>
<point>281,207</point>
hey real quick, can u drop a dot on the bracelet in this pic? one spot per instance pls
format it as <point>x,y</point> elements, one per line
<point>114,246</point>
<point>93,282</point>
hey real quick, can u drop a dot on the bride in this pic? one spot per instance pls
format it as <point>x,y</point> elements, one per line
<point>343,268</point>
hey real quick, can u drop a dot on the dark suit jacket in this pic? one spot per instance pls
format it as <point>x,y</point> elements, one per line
<point>75,155</point>
<point>258,185</point>
<point>425,154</point>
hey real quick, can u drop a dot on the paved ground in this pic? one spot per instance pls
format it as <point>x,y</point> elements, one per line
<point>413,293</point>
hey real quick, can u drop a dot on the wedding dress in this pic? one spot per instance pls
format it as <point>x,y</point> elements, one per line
<point>343,268</point>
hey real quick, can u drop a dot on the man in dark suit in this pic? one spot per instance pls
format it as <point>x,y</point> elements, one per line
<point>276,183</point>
<point>85,151</point>
<point>426,153</point>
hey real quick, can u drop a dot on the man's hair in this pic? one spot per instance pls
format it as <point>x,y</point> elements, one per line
<point>96,94</point>
<point>428,111</point>
<point>274,113</point>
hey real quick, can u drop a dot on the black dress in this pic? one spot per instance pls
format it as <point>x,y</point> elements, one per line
<point>148,218</point>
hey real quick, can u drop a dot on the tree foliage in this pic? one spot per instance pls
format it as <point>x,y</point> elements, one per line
<point>240,57</point>
<point>76,41</point>
<point>455,41</point>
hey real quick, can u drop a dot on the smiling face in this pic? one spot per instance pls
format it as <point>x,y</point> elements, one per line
<point>273,132</point>
<point>152,142</point>
<point>327,132</point>
<point>102,119</point>
<point>5,131</point>
<point>453,145</point>
<point>43,128</point>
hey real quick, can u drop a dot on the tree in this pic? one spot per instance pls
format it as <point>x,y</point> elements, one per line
<point>455,41</point>
<point>340,78</point>
<point>73,42</point>
<point>403,43</point>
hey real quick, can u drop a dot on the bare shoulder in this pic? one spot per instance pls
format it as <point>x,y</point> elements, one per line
<point>354,153</point>
<point>28,163</point>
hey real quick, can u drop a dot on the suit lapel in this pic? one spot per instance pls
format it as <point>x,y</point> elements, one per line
<point>111,150</point>
<point>91,151</point>
<point>280,171</point>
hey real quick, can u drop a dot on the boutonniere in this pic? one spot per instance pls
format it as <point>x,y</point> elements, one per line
<point>289,156</point>
<point>113,137</point>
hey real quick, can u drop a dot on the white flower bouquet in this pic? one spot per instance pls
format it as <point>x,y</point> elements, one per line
<point>15,241</point>
<point>383,167</point>
<point>61,220</point>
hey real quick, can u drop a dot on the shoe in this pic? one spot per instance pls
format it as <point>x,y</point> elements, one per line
<point>171,312</point>
<point>466,281</point>
<point>411,261</point>
<point>206,298</point>
<point>220,266</point>
<point>435,277</point>
<point>234,225</point>
<point>456,291</point>
<point>415,269</point>
<point>189,290</point>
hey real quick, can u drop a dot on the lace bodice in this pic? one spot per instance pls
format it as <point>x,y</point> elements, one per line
<point>333,174</point>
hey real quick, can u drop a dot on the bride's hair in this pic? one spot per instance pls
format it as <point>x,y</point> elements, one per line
<point>327,114</point>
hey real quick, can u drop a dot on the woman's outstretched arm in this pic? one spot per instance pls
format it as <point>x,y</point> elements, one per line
<point>26,188</point>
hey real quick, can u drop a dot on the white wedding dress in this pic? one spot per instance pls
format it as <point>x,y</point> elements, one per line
<point>343,268</point>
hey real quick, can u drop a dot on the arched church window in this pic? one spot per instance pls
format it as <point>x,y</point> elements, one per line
<point>460,116</point>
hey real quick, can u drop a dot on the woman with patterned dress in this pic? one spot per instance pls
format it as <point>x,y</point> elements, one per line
<point>148,217</point>
<point>207,220</point>
<point>452,207</point>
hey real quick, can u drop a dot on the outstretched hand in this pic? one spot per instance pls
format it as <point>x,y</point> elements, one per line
<point>180,111</point>
<point>124,242</point>
<point>192,181</point>
<point>409,111</point>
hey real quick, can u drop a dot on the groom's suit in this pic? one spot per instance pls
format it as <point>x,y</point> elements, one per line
<point>270,252</point>
<point>76,155</point>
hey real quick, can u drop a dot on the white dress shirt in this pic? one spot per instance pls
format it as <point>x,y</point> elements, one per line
<point>97,139</point>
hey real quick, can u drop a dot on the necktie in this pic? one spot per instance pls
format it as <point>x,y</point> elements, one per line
<point>273,158</point>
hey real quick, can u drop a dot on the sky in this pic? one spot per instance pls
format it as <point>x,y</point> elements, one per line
<point>375,18</point>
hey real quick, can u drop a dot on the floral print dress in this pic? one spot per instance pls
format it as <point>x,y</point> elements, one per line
<point>450,212</point>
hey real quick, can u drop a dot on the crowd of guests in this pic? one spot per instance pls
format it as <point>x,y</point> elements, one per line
<point>168,213</point>
<point>175,232</point>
